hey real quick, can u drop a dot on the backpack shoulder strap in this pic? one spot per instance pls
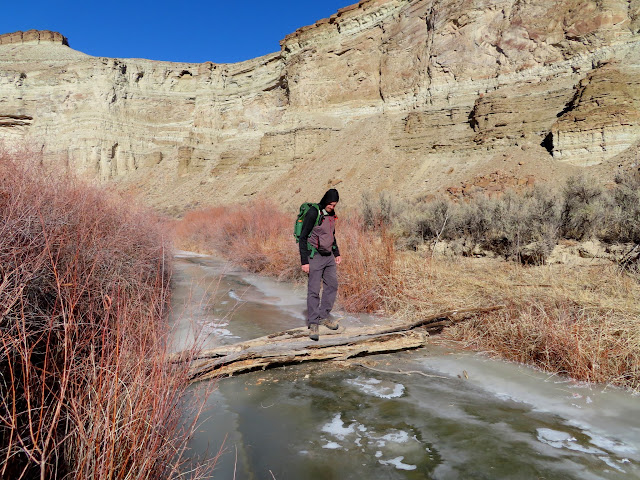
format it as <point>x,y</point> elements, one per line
<point>319,216</point>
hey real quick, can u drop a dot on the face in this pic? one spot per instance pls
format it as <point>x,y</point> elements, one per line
<point>331,207</point>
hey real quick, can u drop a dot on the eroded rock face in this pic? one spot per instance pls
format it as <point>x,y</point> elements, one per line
<point>603,117</point>
<point>410,96</point>
<point>33,36</point>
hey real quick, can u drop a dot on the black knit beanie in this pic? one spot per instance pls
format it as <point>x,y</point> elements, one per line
<point>330,196</point>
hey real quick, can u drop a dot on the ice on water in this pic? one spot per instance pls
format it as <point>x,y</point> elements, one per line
<point>564,440</point>
<point>332,446</point>
<point>235,296</point>
<point>358,436</point>
<point>397,462</point>
<point>337,429</point>
<point>217,329</point>
<point>603,448</point>
<point>377,388</point>
<point>397,437</point>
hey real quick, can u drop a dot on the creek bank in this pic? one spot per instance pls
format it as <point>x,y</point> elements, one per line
<point>473,417</point>
<point>557,309</point>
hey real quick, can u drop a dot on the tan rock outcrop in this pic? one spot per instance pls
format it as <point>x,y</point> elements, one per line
<point>33,36</point>
<point>603,117</point>
<point>404,95</point>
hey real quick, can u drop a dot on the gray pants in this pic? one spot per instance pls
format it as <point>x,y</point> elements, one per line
<point>322,271</point>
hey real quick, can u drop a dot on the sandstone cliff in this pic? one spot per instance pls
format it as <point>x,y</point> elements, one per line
<point>410,96</point>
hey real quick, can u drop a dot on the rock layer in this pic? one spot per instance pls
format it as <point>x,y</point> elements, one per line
<point>33,36</point>
<point>404,95</point>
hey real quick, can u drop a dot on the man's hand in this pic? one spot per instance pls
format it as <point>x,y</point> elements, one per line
<point>305,268</point>
<point>338,260</point>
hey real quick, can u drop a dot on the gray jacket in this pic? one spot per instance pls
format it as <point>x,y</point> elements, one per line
<point>321,237</point>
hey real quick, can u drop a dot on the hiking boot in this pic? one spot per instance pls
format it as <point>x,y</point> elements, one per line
<point>330,323</point>
<point>313,334</point>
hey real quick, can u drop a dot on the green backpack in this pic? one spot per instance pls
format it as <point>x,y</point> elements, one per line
<point>304,208</point>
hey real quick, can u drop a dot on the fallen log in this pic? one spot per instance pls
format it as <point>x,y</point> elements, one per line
<point>298,352</point>
<point>294,346</point>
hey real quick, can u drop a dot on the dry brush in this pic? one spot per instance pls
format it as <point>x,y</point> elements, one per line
<point>85,390</point>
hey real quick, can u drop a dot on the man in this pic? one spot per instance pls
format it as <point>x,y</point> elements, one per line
<point>319,256</point>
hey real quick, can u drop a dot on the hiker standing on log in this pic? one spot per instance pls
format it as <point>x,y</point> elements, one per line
<point>319,256</point>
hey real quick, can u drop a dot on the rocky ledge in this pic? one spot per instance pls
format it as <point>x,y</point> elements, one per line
<point>33,37</point>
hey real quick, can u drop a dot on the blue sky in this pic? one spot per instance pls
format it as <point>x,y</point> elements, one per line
<point>178,30</point>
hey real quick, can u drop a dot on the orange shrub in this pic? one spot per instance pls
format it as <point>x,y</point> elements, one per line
<point>259,237</point>
<point>367,273</point>
<point>87,391</point>
<point>255,236</point>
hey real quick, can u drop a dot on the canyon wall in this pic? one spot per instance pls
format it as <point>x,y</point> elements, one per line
<point>407,96</point>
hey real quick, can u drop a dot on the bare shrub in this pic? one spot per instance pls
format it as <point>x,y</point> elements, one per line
<point>367,273</point>
<point>387,209</point>
<point>377,213</point>
<point>523,227</point>
<point>367,211</point>
<point>421,221</point>
<point>623,207</point>
<point>475,219</point>
<point>622,224</point>
<point>86,390</point>
<point>582,208</point>
<point>526,226</point>
<point>255,236</point>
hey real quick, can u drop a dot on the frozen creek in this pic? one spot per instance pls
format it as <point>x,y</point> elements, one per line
<point>472,418</point>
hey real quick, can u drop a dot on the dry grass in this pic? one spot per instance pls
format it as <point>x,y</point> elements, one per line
<point>86,390</point>
<point>580,321</point>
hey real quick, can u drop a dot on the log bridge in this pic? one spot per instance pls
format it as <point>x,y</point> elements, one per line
<point>294,346</point>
